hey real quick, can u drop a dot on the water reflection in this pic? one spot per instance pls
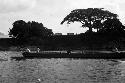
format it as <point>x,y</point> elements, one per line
<point>62,71</point>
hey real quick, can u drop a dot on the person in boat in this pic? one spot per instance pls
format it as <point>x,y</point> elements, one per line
<point>69,51</point>
<point>28,50</point>
<point>115,49</point>
<point>38,50</point>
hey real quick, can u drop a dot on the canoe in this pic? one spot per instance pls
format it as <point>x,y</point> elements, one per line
<point>87,55</point>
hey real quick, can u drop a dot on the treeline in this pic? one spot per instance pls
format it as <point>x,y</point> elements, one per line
<point>110,32</point>
<point>94,41</point>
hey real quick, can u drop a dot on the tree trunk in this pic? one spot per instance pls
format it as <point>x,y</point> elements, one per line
<point>90,29</point>
<point>90,26</point>
<point>97,29</point>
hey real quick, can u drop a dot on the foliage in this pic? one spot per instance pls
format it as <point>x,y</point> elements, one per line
<point>18,29</point>
<point>112,25</point>
<point>91,17</point>
<point>23,30</point>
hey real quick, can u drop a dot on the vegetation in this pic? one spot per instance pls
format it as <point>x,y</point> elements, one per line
<point>110,32</point>
<point>91,17</point>
<point>21,29</point>
<point>29,31</point>
<point>112,25</point>
<point>109,28</point>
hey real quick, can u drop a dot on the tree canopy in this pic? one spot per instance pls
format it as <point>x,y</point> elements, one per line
<point>91,17</point>
<point>21,29</point>
<point>112,25</point>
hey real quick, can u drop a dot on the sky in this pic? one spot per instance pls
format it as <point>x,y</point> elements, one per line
<point>52,12</point>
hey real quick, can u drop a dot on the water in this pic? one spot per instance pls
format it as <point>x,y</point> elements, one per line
<point>59,70</point>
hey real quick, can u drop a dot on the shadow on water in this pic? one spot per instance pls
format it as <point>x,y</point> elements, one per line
<point>24,58</point>
<point>88,71</point>
<point>18,58</point>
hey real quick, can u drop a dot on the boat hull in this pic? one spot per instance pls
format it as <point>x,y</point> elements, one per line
<point>112,55</point>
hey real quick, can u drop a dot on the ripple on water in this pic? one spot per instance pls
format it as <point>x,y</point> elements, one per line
<point>61,71</point>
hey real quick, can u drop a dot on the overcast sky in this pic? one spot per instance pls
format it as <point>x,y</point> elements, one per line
<point>52,12</point>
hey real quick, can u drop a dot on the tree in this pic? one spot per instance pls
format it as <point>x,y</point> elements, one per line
<point>112,25</point>
<point>112,29</point>
<point>23,30</point>
<point>38,30</point>
<point>89,17</point>
<point>19,29</point>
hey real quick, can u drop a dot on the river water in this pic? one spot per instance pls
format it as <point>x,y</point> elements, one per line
<point>59,70</point>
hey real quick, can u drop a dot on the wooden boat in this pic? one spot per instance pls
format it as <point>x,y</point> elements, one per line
<point>86,55</point>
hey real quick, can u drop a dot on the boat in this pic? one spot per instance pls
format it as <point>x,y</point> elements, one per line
<point>85,55</point>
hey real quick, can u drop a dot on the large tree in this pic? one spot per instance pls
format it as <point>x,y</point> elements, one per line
<point>23,30</point>
<point>91,17</point>
<point>19,29</point>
